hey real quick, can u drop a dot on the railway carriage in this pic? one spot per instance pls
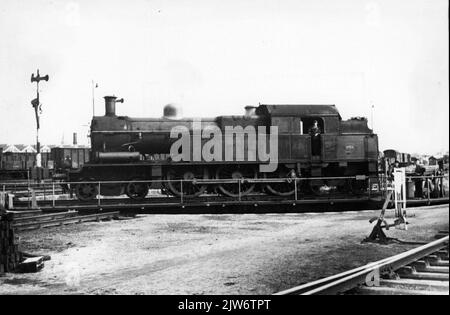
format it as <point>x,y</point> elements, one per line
<point>133,150</point>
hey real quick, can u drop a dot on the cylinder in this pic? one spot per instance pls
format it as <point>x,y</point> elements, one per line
<point>75,141</point>
<point>110,105</point>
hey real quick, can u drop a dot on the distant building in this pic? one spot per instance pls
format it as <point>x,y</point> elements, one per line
<point>10,148</point>
<point>22,148</point>
<point>28,149</point>
<point>44,148</point>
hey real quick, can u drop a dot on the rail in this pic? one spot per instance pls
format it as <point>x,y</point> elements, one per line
<point>60,219</point>
<point>350,279</point>
<point>56,192</point>
<point>59,193</point>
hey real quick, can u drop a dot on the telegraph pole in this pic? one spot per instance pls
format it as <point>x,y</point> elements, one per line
<point>37,110</point>
<point>371,115</point>
<point>94,85</point>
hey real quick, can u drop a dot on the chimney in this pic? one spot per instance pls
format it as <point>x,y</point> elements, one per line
<point>110,105</point>
<point>75,142</point>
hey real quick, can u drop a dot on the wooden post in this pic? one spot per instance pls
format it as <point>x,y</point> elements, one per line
<point>98,196</point>
<point>33,199</point>
<point>239,186</point>
<point>53,194</point>
<point>295,187</point>
<point>9,251</point>
<point>181,184</point>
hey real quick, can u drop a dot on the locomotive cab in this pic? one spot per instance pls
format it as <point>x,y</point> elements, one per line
<point>294,124</point>
<point>314,127</point>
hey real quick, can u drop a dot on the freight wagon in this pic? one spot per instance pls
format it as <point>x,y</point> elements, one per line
<point>19,165</point>
<point>69,157</point>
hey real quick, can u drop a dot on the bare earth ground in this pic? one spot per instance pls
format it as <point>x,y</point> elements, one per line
<point>209,254</point>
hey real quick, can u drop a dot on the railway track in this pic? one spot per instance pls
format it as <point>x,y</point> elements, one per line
<point>38,221</point>
<point>207,205</point>
<point>421,271</point>
<point>213,203</point>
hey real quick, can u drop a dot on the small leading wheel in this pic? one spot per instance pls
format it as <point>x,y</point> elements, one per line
<point>86,191</point>
<point>236,173</point>
<point>136,190</point>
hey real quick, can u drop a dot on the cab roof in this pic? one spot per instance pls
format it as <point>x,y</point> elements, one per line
<point>297,110</point>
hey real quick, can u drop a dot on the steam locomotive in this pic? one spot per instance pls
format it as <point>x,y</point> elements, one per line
<point>133,150</point>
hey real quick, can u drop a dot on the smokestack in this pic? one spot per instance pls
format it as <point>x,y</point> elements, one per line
<point>75,142</point>
<point>110,105</point>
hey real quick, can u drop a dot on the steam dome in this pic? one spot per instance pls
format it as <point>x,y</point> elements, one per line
<point>170,111</point>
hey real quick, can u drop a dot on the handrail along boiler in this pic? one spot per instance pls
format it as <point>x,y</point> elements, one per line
<point>137,149</point>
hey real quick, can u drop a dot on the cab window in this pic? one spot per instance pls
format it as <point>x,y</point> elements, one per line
<point>307,122</point>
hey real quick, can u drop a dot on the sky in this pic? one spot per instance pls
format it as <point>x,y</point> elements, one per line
<point>213,57</point>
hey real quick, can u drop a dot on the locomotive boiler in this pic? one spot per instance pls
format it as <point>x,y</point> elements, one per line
<point>134,150</point>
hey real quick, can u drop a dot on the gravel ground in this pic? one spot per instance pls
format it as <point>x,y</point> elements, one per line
<point>209,254</point>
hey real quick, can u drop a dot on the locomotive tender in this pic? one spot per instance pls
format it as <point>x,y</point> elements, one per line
<point>134,150</point>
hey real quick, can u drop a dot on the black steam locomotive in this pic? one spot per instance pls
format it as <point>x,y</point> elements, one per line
<point>133,150</point>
